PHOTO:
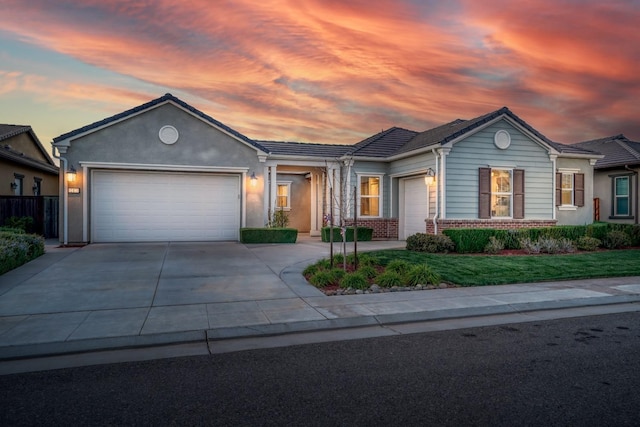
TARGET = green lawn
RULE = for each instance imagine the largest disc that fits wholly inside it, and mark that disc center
(479, 270)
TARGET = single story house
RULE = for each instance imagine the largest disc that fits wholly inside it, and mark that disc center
(167, 171)
(615, 181)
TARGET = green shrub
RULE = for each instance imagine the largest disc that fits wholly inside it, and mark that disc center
(469, 240)
(337, 274)
(12, 230)
(24, 223)
(323, 264)
(432, 243)
(310, 270)
(389, 279)
(355, 280)
(338, 259)
(321, 279)
(368, 271)
(18, 248)
(547, 245)
(616, 239)
(399, 266)
(586, 243)
(494, 246)
(364, 234)
(278, 219)
(363, 259)
(268, 235)
(422, 274)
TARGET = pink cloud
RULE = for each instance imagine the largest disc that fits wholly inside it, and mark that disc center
(329, 70)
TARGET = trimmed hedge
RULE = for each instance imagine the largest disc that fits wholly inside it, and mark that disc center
(18, 248)
(474, 240)
(268, 235)
(364, 234)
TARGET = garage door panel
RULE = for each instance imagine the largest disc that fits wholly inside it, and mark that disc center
(146, 206)
(416, 206)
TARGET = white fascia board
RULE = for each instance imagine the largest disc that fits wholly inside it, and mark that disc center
(294, 161)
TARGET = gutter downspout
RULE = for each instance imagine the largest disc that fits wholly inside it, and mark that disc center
(65, 196)
(435, 216)
(635, 172)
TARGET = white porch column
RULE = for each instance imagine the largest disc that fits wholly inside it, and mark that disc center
(443, 181)
(273, 177)
(316, 223)
(265, 194)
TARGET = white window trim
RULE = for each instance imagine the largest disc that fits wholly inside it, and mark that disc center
(288, 185)
(380, 195)
(616, 197)
(510, 170)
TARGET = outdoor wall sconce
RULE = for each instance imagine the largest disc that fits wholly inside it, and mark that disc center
(14, 185)
(71, 174)
(253, 179)
(430, 177)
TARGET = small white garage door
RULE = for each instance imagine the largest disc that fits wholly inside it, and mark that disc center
(149, 206)
(416, 206)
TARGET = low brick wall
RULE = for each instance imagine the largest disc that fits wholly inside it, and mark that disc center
(383, 228)
(499, 224)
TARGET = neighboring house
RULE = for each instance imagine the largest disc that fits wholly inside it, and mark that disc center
(28, 180)
(26, 169)
(167, 171)
(615, 183)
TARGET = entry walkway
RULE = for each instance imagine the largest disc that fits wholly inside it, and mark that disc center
(113, 296)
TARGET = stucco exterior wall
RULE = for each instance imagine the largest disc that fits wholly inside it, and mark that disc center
(603, 190)
(584, 214)
(136, 141)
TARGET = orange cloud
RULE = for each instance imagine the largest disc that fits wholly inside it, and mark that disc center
(337, 71)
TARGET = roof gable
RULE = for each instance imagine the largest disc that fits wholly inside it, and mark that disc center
(167, 98)
(12, 147)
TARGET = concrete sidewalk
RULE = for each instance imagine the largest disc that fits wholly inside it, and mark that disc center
(105, 297)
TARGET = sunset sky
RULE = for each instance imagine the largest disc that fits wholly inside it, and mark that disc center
(330, 71)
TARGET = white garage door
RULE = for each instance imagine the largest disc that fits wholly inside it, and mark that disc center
(416, 206)
(149, 206)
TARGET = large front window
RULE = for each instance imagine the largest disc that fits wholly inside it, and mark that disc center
(501, 193)
(370, 195)
(621, 196)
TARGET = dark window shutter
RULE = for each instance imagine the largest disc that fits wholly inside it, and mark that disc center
(558, 189)
(484, 196)
(518, 193)
(578, 188)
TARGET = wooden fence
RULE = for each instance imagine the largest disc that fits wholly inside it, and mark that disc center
(43, 210)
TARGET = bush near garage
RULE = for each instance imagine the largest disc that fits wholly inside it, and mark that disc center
(18, 248)
(268, 235)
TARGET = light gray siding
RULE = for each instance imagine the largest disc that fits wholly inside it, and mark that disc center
(478, 150)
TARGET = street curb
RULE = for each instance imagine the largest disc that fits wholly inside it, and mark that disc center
(279, 329)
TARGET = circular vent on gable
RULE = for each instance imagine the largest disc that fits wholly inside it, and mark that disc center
(502, 139)
(168, 134)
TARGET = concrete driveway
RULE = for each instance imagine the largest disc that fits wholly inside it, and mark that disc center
(135, 289)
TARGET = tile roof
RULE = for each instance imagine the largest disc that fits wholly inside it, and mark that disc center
(383, 144)
(7, 131)
(166, 98)
(618, 150)
(9, 153)
(303, 149)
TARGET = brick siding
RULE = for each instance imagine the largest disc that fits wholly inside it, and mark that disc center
(383, 228)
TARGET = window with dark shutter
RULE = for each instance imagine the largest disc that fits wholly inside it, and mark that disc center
(484, 193)
(518, 193)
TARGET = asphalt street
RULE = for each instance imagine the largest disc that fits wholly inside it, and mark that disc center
(579, 371)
